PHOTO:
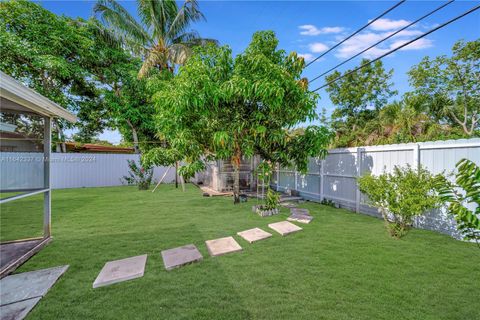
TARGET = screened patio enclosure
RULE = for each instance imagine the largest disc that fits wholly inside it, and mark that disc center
(25, 196)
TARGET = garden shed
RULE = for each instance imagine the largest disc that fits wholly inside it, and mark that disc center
(25, 200)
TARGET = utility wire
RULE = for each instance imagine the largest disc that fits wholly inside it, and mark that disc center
(382, 40)
(401, 46)
(356, 32)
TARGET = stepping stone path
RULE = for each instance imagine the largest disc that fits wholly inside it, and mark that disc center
(302, 218)
(222, 246)
(284, 227)
(300, 215)
(21, 292)
(255, 234)
(299, 211)
(288, 205)
(121, 270)
(177, 257)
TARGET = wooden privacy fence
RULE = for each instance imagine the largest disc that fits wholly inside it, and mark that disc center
(334, 178)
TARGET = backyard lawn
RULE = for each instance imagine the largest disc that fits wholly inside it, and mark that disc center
(341, 266)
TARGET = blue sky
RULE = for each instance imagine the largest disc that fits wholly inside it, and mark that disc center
(311, 27)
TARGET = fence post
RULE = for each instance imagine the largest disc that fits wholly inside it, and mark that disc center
(278, 176)
(359, 168)
(416, 156)
(296, 178)
(322, 165)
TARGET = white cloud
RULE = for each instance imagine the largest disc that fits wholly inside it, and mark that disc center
(307, 56)
(318, 47)
(388, 24)
(405, 33)
(364, 40)
(358, 43)
(311, 30)
(420, 44)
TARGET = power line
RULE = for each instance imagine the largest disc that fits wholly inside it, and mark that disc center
(400, 47)
(359, 30)
(382, 40)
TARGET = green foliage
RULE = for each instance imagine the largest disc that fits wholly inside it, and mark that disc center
(218, 107)
(328, 202)
(162, 37)
(69, 61)
(272, 200)
(139, 175)
(450, 86)
(443, 104)
(465, 191)
(358, 97)
(400, 196)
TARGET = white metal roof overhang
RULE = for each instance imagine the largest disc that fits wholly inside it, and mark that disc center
(16, 96)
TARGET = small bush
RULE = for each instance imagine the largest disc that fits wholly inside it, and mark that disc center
(400, 196)
(138, 175)
(328, 202)
(458, 195)
(272, 200)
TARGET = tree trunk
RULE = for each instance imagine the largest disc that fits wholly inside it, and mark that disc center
(134, 136)
(236, 176)
(236, 184)
(61, 137)
(176, 174)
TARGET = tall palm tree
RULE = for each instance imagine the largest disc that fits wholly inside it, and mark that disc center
(162, 37)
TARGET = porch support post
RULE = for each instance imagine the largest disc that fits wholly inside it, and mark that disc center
(47, 203)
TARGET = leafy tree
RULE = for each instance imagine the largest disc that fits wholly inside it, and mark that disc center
(465, 191)
(163, 36)
(400, 196)
(450, 86)
(221, 108)
(358, 97)
(68, 61)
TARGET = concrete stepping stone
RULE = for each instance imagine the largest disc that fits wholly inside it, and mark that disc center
(253, 235)
(18, 310)
(302, 218)
(27, 285)
(299, 211)
(177, 257)
(218, 247)
(19, 293)
(284, 227)
(288, 205)
(121, 270)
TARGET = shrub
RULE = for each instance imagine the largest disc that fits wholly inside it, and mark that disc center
(400, 196)
(138, 175)
(466, 190)
(272, 200)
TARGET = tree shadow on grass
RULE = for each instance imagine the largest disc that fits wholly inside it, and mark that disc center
(198, 291)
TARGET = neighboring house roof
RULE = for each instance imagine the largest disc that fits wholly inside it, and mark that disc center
(92, 148)
(17, 96)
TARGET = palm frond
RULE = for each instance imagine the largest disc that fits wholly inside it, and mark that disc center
(157, 15)
(201, 42)
(188, 13)
(108, 35)
(113, 15)
(178, 53)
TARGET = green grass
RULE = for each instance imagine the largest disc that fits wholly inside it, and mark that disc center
(341, 266)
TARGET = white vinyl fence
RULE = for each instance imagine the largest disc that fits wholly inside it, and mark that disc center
(334, 178)
(69, 170)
